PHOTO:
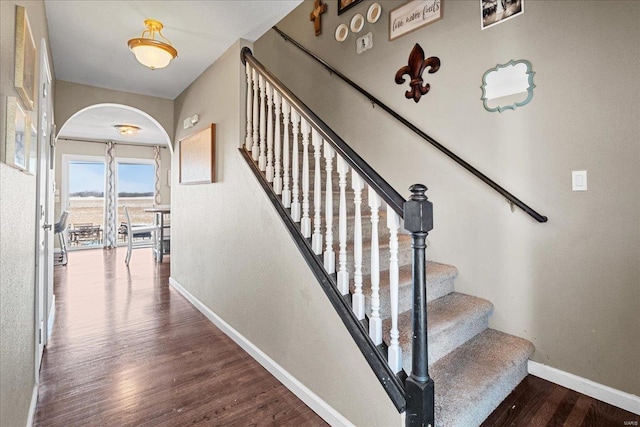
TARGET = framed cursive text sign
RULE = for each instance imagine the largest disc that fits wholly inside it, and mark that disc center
(413, 15)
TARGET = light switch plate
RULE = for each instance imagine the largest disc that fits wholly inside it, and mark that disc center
(364, 43)
(579, 180)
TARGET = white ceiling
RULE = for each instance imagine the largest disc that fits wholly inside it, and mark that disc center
(89, 44)
(97, 123)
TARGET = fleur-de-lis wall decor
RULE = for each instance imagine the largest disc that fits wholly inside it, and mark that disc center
(415, 68)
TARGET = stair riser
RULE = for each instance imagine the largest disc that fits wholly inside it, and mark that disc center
(383, 230)
(451, 321)
(443, 343)
(404, 257)
(335, 203)
(436, 288)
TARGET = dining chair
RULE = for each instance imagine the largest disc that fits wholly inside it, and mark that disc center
(58, 229)
(137, 231)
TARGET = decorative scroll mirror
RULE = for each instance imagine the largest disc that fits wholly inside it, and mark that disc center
(507, 86)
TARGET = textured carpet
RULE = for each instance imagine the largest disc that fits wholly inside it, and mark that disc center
(472, 380)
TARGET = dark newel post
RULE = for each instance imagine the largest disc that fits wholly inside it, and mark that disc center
(418, 219)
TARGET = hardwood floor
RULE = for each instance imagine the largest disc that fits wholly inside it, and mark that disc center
(536, 402)
(127, 350)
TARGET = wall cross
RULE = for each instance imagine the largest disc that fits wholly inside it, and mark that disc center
(318, 9)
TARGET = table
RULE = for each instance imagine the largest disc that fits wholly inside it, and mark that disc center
(159, 212)
(80, 234)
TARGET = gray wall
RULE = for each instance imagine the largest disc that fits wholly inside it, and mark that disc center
(571, 286)
(223, 240)
(17, 239)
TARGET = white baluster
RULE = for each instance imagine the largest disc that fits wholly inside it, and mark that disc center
(295, 173)
(269, 168)
(286, 192)
(249, 139)
(256, 117)
(305, 223)
(357, 184)
(316, 239)
(262, 158)
(343, 274)
(277, 179)
(329, 255)
(394, 350)
(375, 322)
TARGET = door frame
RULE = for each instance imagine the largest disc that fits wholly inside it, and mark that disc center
(126, 160)
(44, 210)
(64, 185)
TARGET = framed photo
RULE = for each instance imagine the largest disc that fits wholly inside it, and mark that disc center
(25, 60)
(412, 16)
(497, 11)
(16, 140)
(344, 5)
(32, 143)
(197, 157)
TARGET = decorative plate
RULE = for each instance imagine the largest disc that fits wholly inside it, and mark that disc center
(342, 32)
(374, 13)
(357, 22)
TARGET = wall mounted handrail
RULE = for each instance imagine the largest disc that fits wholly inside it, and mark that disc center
(382, 187)
(510, 197)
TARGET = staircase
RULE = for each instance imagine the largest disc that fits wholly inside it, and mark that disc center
(473, 367)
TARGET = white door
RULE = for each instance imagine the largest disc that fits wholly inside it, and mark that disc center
(44, 205)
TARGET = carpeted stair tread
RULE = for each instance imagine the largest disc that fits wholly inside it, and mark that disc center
(440, 279)
(472, 381)
(451, 321)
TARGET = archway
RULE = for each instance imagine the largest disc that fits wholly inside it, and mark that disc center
(114, 155)
(96, 122)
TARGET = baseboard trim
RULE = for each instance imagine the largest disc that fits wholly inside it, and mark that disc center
(32, 406)
(319, 406)
(52, 318)
(626, 401)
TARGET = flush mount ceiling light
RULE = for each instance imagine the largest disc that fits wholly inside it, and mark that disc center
(127, 130)
(150, 52)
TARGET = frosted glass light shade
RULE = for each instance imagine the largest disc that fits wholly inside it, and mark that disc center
(151, 53)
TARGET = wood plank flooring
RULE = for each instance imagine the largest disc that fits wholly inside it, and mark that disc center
(128, 350)
(539, 403)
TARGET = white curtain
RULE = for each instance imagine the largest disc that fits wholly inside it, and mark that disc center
(111, 229)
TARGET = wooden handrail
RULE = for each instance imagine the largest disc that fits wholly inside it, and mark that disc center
(510, 197)
(382, 187)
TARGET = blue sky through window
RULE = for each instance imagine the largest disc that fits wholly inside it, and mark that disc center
(86, 177)
(136, 178)
(132, 178)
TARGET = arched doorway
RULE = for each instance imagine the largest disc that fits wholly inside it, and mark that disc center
(99, 170)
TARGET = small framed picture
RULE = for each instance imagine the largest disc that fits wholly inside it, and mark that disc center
(344, 5)
(497, 11)
(197, 157)
(33, 148)
(16, 140)
(412, 16)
